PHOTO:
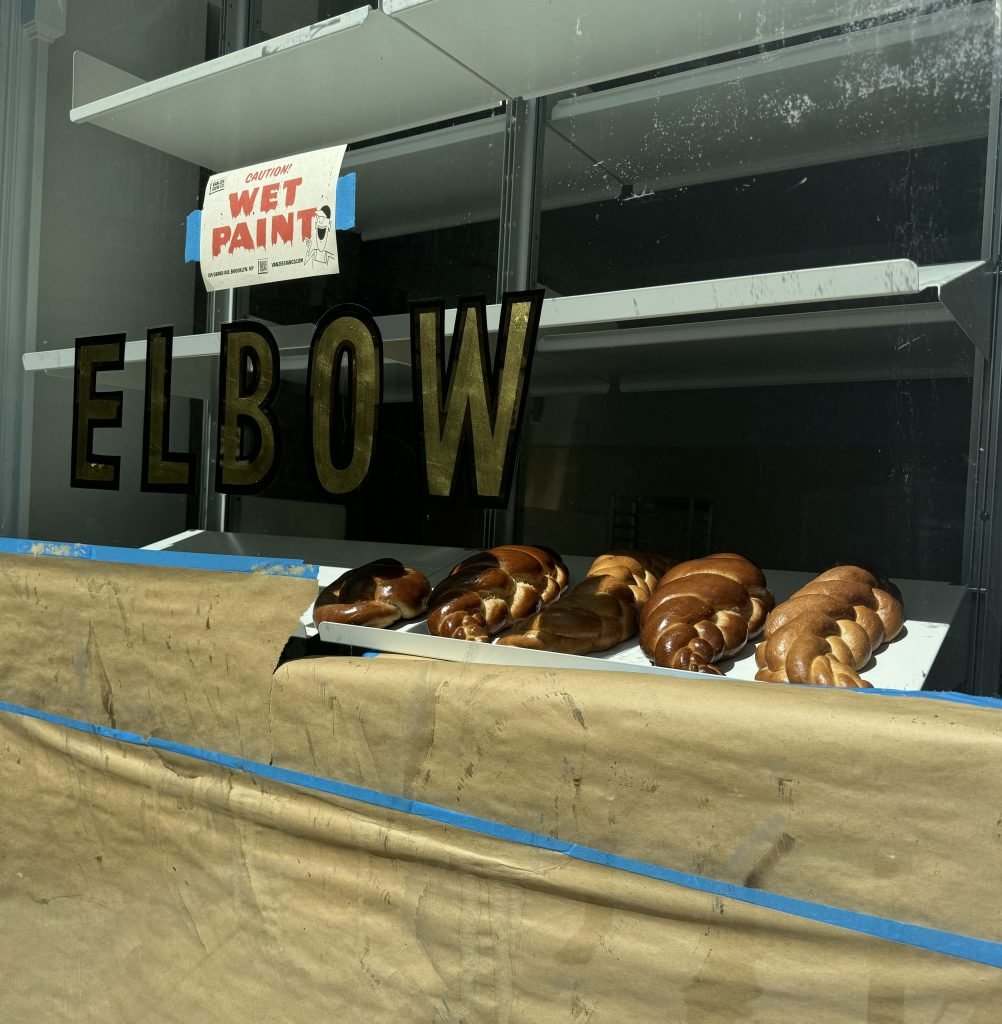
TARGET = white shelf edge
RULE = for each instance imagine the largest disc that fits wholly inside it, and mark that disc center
(219, 65)
(939, 274)
(882, 279)
(189, 346)
(841, 283)
(767, 325)
(169, 542)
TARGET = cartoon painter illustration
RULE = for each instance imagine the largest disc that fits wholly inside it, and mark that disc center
(322, 239)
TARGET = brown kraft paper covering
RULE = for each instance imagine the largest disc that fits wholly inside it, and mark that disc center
(140, 886)
(175, 652)
(853, 800)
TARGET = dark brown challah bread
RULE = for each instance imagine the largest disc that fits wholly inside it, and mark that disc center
(828, 629)
(704, 610)
(491, 589)
(599, 612)
(375, 594)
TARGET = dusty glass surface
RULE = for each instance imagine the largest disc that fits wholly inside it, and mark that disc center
(844, 147)
(799, 436)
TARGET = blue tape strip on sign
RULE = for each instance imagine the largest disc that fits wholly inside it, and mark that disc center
(344, 203)
(964, 947)
(192, 236)
(171, 559)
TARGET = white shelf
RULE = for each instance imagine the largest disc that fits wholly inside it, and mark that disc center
(373, 72)
(527, 48)
(796, 106)
(816, 285)
(343, 80)
(920, 341)
(586, 340)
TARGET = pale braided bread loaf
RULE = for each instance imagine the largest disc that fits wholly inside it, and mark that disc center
(375, 594)
(491, 589)
(703, 611)
(829, 629)
(599, 612)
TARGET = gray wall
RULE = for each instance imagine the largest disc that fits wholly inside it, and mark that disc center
(111, 260)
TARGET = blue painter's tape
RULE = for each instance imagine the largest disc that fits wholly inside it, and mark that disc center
(964, 947)
(950, 696)
(120, 735)
(344, 203)
(296, 567)
(172, 559)
(192, 236)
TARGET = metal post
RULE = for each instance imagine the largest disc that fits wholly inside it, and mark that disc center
(212, 507)
(235, 28)
(26, 32)
(985, 545)
(518, 247)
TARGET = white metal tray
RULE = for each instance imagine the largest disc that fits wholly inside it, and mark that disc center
(930, 607)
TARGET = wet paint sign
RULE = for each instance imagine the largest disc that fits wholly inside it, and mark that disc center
(272, 221)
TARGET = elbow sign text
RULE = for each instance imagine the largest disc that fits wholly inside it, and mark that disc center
(470, 403)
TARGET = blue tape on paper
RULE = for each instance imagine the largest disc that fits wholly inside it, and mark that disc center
(950, 696)
(964, 947)
(172, 559)
(344, 202)
(192, 236)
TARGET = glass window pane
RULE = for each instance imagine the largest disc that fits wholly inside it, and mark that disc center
(111, 260)
(849, 147)
(428, 212)
(798, 436)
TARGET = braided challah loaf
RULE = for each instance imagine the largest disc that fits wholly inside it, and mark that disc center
(703, 611)
(375, 594)
(491, 589)
(829, 629)
(599, 612)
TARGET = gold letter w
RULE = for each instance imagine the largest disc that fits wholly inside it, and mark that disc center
(486, 405)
